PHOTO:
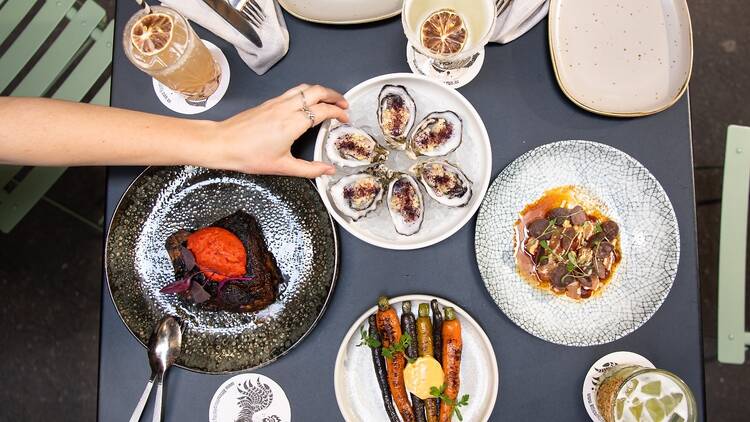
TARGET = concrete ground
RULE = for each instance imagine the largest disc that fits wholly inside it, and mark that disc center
(51, 262)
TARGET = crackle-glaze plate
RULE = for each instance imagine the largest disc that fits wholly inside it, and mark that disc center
(624, 190)
(298, 230)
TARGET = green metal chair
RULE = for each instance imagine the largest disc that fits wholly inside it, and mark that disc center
(733, 339)
(69, 68)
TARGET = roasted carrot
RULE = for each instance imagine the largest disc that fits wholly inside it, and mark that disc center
(452, 346)
(437, 333)
(378, 362)
(409, 326)
(424, 348)
(390, 333)
(437, 330)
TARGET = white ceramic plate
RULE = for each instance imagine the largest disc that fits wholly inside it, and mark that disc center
(342, 12)
(625, 191)
(357, 391)
(474, 157)
(621, 58)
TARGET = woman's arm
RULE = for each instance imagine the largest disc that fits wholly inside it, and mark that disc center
(45, 132)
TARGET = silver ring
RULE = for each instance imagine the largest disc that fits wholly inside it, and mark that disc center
(305, 108)
(311, 116)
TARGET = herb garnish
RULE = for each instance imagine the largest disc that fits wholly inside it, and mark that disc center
(398, 347)
(367, 340)
(440, 393)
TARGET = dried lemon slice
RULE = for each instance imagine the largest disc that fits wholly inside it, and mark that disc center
(152, 33)
(444, 33)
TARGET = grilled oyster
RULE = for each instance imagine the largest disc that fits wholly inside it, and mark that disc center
(358, 194)
(405, 204)
(438, 134)
(444, 182)
(349, 146)
(396, 114)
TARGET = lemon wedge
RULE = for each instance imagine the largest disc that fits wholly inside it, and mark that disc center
(421, 375)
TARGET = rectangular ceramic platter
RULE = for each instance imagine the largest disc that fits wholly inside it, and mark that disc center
(340, 12)
(621, 57)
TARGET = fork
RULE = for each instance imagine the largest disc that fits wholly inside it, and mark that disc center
(500, 6)
(252, 11)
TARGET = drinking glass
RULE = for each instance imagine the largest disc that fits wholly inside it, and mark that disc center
(163, 45)
(636, 393)
(461, 61)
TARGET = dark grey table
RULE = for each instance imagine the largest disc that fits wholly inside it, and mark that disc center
(522, 106)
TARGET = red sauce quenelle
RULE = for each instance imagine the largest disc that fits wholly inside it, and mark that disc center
(564, 248)
(218, 253)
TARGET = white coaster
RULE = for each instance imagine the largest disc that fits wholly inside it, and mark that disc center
(252, 398)
(422, 65)
(601, 366)
(178, 103)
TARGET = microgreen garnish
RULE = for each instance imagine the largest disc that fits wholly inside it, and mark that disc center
(597, 228)
(439, 392)
(398, 347)
(366, 340)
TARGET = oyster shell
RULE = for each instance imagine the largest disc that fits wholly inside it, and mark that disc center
(349, 146)
(405, 204)
(438, 134)
(358, 194)
(444, 182)
(396, 114)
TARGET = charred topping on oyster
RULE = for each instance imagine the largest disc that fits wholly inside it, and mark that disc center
(437, 134)
(361, 194)
(349, 146)
(434, 136)
(443, 182)
(405, 199)
(358, 194)
(396, 114)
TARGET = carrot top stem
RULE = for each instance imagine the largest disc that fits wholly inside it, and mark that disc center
(383, 303)
(406, 306)
(424, 310)
(450, 313)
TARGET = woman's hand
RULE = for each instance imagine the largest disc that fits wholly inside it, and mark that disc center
(259, 140)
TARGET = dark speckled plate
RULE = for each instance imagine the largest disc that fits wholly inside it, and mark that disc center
(299, 233)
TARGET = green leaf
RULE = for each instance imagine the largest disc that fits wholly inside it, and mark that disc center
(405, 340)
(545, 245)
(598, 228)
(458, 414)
(570, 267)
(464, 400)
(366, 340)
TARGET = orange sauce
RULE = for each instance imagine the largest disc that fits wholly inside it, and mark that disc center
(218, 253)
(562, 196)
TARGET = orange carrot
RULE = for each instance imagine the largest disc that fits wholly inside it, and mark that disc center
(452, 346)
(389, 327)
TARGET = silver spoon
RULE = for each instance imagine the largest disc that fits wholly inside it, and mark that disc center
(163, 349)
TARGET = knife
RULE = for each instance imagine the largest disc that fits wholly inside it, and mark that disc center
(235, 19)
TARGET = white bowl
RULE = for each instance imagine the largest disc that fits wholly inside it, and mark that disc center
(474, 157)
(357, 391)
